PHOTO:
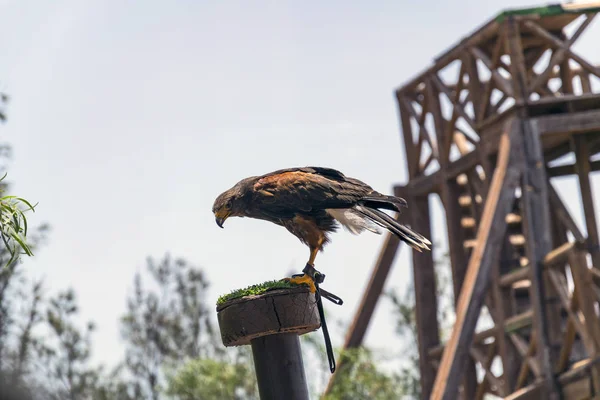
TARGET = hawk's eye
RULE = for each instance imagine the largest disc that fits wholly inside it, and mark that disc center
(228, 205)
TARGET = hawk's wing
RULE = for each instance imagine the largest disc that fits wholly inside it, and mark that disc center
(285, 192)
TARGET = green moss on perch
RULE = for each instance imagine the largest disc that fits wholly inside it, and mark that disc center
(268, 308)
(255, 290)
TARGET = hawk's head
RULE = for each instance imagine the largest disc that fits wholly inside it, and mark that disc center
(229, 203)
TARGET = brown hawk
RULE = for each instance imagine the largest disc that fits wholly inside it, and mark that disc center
(309, 202)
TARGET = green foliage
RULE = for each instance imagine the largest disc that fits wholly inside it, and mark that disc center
(166, 326)
(20, 300)
(66, 351)
(21, 314)
(404, 313)
(255, 290)
(360, 378)
(18, 340)
(210, 379)
(13, 225)
(112, 386)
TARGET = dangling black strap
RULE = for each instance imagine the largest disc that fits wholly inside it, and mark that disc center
(330, 355)
(331, 297)
(318, 278)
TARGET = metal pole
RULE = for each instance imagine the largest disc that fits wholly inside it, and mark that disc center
(279, 367)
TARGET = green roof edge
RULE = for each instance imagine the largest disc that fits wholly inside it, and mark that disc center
(544, 11)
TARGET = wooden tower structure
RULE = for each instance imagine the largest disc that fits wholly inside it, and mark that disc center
(487, 128)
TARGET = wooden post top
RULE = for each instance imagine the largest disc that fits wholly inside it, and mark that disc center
(292, 310)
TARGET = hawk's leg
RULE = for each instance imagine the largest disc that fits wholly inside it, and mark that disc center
(305, 278)
(313, 255)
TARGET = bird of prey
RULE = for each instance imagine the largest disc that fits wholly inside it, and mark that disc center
(310, 202)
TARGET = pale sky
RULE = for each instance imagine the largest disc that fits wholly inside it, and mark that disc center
(127, 119)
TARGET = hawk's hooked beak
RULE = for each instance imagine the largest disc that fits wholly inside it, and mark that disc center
(220, 218)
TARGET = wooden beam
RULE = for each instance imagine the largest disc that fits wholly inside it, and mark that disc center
(531, 59)
(486, 363)
(426, 184)
(552, 40)
(539, 243)
(420, 119)
(579, 371)
(438, 123)
(528, 364)
(503, 84)
(518, 68)
(563, 48)
(475, 85)
(456, 107)
(558, 255)
(458, 262)
(511, 325)
(536, 217)
(570, 169)
(560, 283)
(499, 202)
(409, 144)
(586, 84)
(504, 308)
(422, 185)
(565, 73)
(563, 214)
(587, 198)
(559, 238)
(569, 338)
(594, 142)
(582, 280)
(531, 392)
(458, 257)
(425, 293)
(517, 275)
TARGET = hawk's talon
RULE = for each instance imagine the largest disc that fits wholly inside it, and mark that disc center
(302, 279)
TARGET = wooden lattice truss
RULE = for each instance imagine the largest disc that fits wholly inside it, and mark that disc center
(485, 128)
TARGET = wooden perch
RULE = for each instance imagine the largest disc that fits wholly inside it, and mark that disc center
(277, 311)
(272, 323)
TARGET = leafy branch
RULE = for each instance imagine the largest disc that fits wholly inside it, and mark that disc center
(13, 225)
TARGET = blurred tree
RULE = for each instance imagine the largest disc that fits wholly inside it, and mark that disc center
(13, 222)
(215, 379)
(404, 311)
(65, 352)
(20, 300)
(113, 386)
(19, 310)
(360, 378)
(18, 339)
(3, 101)
(167, 325)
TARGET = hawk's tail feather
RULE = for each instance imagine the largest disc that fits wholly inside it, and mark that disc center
(391, 203)
(413, 239)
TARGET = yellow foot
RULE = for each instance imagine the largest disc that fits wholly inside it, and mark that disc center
(303, 279)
